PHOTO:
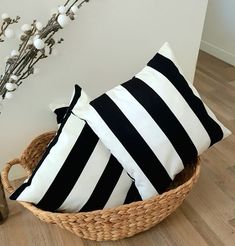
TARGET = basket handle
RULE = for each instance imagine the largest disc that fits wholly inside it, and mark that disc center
(5, 172)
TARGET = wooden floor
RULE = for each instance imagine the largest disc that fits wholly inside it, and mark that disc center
(207, 217)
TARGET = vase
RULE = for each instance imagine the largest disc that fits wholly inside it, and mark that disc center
(4, 211)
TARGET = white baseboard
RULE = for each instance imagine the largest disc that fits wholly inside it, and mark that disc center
(218, 52)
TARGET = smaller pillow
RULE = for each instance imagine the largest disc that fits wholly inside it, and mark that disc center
(60, 113)
(154, 124)
(60, 109)
(77, 173)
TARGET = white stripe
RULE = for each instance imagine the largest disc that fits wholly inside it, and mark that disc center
(166, 51)
(148, 129)
(88, 179)
(226, 132)
(83, 100)
(54, 161)
(94, 120)
(120, 191)
(177, 104)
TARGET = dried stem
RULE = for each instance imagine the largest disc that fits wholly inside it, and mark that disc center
(22, 65)
(6, 23)
(67, 3)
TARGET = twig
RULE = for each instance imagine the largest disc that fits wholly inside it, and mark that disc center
(22, 65)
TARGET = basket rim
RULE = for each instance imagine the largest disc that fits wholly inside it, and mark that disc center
(191, 181)
(30, 206)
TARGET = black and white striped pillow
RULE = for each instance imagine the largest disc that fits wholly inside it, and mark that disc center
(154, 124)
(60, 113)
(77, 172)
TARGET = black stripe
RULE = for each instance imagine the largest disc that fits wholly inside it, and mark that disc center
(60, 114)
(77, 95)
(166, 67)
(70, 171)
(133, 194)
(132, 142)
(105, 186)
(164, 117)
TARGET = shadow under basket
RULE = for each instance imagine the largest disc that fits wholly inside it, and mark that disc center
(108, 224)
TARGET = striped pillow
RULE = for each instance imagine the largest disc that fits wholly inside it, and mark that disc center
(60, 113)
(154, 124)
(77, 173)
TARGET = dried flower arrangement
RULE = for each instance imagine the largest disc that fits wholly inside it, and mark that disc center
(36, 43)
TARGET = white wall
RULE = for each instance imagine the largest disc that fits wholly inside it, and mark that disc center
(219, 32)
(110, 42)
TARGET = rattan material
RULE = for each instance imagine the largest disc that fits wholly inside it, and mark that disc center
(108, 224)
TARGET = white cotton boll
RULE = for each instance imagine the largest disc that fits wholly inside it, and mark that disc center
(63, 20)
(25, 27)
(39, 44)
(11, 86)
(62, 9)
(36, 37)
(5, 16)
(9, 95)
(9, 33)
(39, 26)
(14, 77)
(74, 9)
(15, 53)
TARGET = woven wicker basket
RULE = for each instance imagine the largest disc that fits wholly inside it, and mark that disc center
(108, 224)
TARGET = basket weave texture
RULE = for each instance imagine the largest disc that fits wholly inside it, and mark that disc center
(108, 224)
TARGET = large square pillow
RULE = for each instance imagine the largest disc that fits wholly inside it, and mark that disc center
(154, 124)
(77, 172)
